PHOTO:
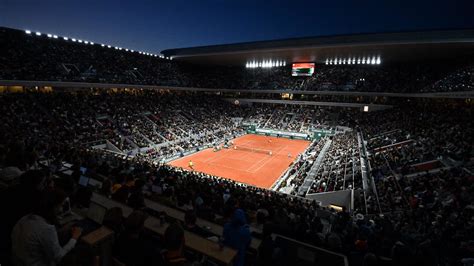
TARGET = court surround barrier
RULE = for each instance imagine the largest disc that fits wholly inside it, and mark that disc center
(277, 133)
(314, 134)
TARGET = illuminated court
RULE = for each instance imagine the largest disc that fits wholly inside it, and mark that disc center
(251, 163)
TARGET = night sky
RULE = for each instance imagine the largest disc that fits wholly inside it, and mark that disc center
(156, 25)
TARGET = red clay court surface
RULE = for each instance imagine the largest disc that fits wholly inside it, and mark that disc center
(254, 168)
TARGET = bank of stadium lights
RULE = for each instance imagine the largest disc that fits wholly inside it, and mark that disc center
(369, 60)
(49, 35)
(52, 36)
(265, 64)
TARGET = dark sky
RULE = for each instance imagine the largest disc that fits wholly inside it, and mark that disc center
(155, 25)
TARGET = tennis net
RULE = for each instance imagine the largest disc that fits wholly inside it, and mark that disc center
(251, 149)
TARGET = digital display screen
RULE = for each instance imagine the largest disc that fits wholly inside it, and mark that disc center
(302, 69)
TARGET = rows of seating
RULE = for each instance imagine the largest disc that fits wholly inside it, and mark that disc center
(60, 126)
(31, 57)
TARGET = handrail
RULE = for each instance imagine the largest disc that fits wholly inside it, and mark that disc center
(344, 257)
(70, 84)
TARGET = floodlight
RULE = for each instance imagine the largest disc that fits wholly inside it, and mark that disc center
(74, 40)
(55, 36)
(49, 35)
(38, 33)
(79, 41)
(28, 31)
(65, 38)
(378, 61)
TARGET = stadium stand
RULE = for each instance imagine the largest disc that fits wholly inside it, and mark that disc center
(51, 59)
(407, 168)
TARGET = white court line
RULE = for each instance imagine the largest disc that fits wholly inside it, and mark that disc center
(256, 163)
(233, 168)
(271, 158)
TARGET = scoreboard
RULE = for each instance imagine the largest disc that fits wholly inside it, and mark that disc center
(302, 69)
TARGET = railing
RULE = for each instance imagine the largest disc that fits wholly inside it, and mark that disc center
(308, 181)
(298, 253)
(366, 170)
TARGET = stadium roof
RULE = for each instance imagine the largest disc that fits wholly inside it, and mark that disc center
(391, 47)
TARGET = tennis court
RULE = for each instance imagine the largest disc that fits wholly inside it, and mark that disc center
(251, 162)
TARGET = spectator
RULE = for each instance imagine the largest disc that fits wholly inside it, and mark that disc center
(113, 219)
(24, 196)
(34, 237)
(137, 199)
(174, 244)
(236, 235)
(133, 247)
(124, 191)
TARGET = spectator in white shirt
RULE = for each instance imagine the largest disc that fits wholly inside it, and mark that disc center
(34, 237)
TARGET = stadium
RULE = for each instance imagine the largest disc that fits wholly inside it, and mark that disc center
(331, 150)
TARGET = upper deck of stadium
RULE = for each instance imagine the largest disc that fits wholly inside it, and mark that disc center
(399, 47)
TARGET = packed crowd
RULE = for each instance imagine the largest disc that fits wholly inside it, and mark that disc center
(31, 57)
(102, 118)
(340, 168)
(416, 208)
